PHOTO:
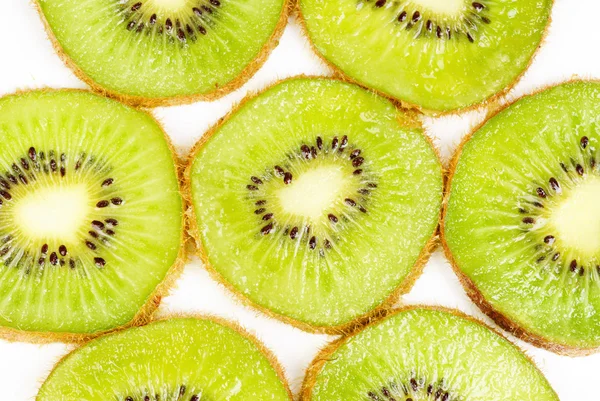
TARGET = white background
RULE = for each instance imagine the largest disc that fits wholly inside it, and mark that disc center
(28, 61)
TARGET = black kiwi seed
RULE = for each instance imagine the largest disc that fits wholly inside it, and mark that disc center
(108, 182)
(102, 204)
(579, 169)
(252, 187)
(91, 245)
(294, 233)
(554, 184)
(99, 262)
(266, 230)
(97, 224)
(416, 17)
(584, 142)
(116, 201)
(62, 250)
(287, 178)
(549, 239)
(380, 3)
(312, 243)
(358, 161)
(541, 192)
(573, 265)
(319, 143)
(402, 16)
(528, 220)
(112, 222)
(333, 218)
(478, 6)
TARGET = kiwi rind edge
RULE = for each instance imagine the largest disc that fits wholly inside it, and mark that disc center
(411, 121)
(469, 286)
(140, 101)
(266, 352)
(146, 312)
(326, 353)
(493, 102)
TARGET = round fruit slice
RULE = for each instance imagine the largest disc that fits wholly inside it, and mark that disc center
(158, 52)
(90, 214)
(317, 201)
(184, 359)
(425, 354)
(438, 55)
(522, 221)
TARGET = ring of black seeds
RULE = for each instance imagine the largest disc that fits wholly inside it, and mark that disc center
(24, 173)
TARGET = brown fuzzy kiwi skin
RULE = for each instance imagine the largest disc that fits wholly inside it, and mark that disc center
(140, 101)
(326, 353)
(144, 315)
(411, 121)
(469, 286)
(266, 352)
(491, 103)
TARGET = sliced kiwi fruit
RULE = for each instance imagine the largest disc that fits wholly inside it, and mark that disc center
(182, 359)
(90, 215)
(424, 354)
(317, 201)
(162, 52)
(437, 55)
(522, 220)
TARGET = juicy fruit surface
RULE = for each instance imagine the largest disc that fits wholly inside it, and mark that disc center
(157, 48)
(90, 211)
(427, 355)
(439, 55)
(175, 360)
(314, 201)
(523, 216)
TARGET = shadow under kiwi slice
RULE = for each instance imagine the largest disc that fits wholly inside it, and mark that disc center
(90, 215)
(522, 221)
(317, 201)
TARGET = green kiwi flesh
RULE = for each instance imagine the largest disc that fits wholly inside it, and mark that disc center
(523, 217)
(184, 359)
(439, 55)
(425, 355)
(157, 49)
(90, 212)
(315, 200)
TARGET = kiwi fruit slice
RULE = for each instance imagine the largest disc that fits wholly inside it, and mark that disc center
(90, 215)
(182, 359)
(436, 55)
(317, 201)
(424, 354)
(163, 52)
(522, 221)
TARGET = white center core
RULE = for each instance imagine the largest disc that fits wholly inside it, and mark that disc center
(446, 7)
(168, 5)
(53, 212)
(577, 219)
(313, 192)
